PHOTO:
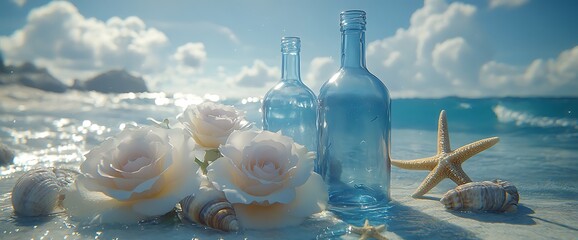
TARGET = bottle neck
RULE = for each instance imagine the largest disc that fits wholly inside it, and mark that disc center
(290, 66)
(353, 48)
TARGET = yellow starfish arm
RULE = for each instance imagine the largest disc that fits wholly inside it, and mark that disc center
(368, 231)
(379, 237)
(428, 163)
(432, 179)
(372, 236)
(457, 174)
(443, 143)
(357, 230)
(380, 228)
(446, 163)
(366, 223)
(462, 154)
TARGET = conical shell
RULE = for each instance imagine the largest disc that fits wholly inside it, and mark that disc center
(209, 207)
(496, 196)
(39, 191)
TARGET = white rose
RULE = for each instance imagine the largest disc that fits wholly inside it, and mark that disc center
(269, 179)
(141, 173)
(210, 124)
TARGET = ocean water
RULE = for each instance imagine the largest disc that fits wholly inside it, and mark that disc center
(537, 152)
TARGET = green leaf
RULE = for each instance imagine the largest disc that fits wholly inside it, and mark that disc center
(212, 155)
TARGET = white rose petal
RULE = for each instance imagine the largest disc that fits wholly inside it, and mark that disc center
(269, 179)
(311, 199)
(141, 173)
(210, 124)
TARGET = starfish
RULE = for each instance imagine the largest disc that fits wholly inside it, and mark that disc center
(446, 163)
(369, 232)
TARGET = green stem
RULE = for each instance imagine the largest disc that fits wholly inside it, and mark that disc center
(210, 156)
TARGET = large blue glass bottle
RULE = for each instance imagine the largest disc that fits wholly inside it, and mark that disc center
(290, 106)
(354, 127)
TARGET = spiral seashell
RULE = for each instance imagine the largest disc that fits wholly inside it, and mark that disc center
(210, 208)
(39, 191)
(497, 195)
(6, 155)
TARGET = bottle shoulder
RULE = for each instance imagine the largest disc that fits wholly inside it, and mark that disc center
(354, 81)
(290, 89)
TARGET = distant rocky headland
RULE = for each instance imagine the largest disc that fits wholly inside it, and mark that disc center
(113, 81)
(29, 75)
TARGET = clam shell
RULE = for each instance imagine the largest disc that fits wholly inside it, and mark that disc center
(209, 207)
(496, 196)
(39, 191)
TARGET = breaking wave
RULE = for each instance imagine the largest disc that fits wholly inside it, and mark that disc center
(522, 119)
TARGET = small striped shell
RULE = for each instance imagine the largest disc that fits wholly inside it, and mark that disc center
(39, 192)
(210, 208)
(497, 195)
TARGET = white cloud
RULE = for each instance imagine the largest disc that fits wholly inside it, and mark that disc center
(72, 46)
(20, 3)
(204, 29)
(320, 70)
(256, 76)
(182, 70)
(227, 32)
(443, 53)
(439, 54)
(507, 3)
(58, 37)
(250, 81)
(557, 76)
(457, 61)
(191, 55)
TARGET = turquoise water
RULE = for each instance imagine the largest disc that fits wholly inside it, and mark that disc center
(537, 152)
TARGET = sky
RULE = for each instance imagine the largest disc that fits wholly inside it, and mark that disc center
(419, 49)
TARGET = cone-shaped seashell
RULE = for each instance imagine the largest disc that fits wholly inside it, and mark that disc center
(496, 196)
(40, 191)
(209, 207)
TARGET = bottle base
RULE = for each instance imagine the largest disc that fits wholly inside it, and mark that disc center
(355, 205)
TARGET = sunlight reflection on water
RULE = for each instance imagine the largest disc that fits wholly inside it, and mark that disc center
(47, 129)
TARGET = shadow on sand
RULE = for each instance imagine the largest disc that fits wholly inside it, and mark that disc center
(523, 216)
(409, 223)
(36, 220)
(401, 220)
(520, 217)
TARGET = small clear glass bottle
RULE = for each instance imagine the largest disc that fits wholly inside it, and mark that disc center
(354, 128)
(290, 106)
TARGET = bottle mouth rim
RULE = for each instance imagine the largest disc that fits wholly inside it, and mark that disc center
(290, 38)
(353, 11)
(290, 44)
(352, 20)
